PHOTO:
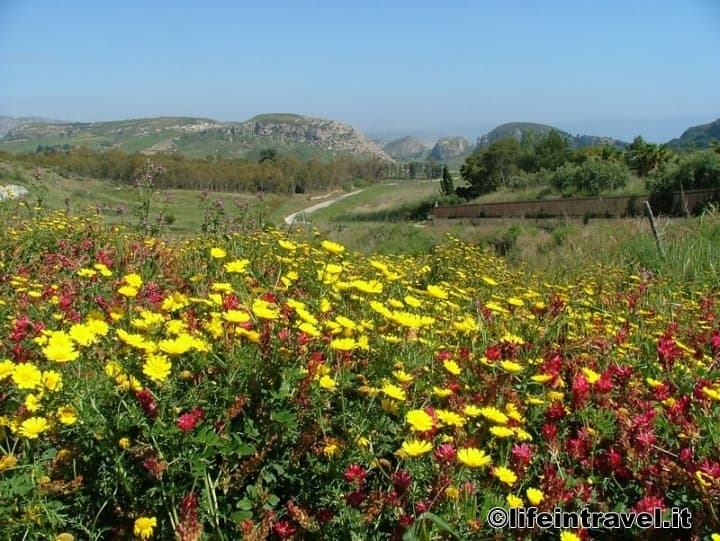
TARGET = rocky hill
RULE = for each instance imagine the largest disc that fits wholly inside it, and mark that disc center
(522, 130)
(698, 136)
(288, 134)
(448, 148)
(406, 149)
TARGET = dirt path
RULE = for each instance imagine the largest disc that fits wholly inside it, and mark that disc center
(290, 218)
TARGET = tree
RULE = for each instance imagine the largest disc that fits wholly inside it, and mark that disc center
(447, 186)
(552, 151)
(644, 158)
(268, 154)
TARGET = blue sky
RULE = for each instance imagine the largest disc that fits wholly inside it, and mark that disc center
(605, 67)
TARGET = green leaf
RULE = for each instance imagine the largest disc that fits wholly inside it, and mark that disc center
(284, 417)
(244, 504)
(440, 523)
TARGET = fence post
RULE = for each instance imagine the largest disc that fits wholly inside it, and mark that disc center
(653, 226)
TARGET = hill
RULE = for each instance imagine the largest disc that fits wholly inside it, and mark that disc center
(698, 136)
(406, 149)
(523, 130)
(289, 134)
(448, 148)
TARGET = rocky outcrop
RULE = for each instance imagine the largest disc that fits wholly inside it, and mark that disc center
(520, 131)
(450, 147)
(406, 149)
(286, 132)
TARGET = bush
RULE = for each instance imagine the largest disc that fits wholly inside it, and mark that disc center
(693, 171)
(591, 177)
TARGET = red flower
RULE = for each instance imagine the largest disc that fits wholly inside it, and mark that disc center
(581, 390)
(401, 481)
(445, 453)
(355, 473)
(648, 503)
(187, 421)
(355, 499)
(284, 529)
(522, 454)
(147, 403)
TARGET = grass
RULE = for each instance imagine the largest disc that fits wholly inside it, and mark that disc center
(636, 186)
(553, 247)
(385, 196)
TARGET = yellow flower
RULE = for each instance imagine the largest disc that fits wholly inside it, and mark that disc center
(157, 367)
(217, 253)
(415, 448)
(6, 369)
(510, 366)
(489, 281)
(265, 310)
(494, 415)
(26, 376)
(591, 375)
(542, 378)
(450, 418)
(34, 426)
(452, 493)
(333, 247)
(402, 376)
(513, 501)
(419, 420)
(127, 291)
(471, 410)
(236, 316)
(501, 431)
(505, 475)
(437, 292)
(86, 273)
(309, 329)
(82, 334)
(7, 462)
(236, 266)
(452, 367)
(32, 403)
(330, 450)
(393, 391)
(534, 495)
(326, 382)
(178, 346)
(287, 245)
(64, 537)
(343, 344)
(144, 527)
(442, 392)
(60, 348)
(133, 280)
(124, 442)
(66, 415)
(569, 536)
(473, 457)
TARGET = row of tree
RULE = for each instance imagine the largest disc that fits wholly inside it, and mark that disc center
(548, 160)
(272, 173)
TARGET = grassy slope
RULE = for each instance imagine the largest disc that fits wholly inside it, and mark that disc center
(553, 247)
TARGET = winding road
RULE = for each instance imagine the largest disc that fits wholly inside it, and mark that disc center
(290, 218)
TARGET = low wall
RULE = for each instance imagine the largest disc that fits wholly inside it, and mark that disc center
(601, 207)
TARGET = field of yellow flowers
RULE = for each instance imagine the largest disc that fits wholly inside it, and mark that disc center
(268, 386)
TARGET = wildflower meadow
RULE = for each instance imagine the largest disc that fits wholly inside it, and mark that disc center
(274, 385)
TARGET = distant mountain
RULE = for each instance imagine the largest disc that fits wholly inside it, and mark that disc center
(289, 134)
(448, 148)
(7, 123)
(406, 149)
(698, 136)
(522, 130)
